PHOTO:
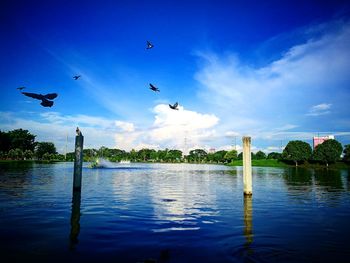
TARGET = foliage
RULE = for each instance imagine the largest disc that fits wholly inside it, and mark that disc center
(18, 138)
(197, 155)
(231, 155)
(15, 154)
(274, 155)
(297, 151)
(328, 151)
(28, 154)
(260, 155)
(240, 156)
(346, 153)
(44, 147)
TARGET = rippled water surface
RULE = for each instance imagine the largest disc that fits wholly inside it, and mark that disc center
(173, 213)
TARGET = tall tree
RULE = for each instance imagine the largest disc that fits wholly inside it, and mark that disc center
(347, 153)
(197, 155)
(5, 141)
(260, 155)
(44, 147)
(22, 139)
(297, 151)
(231, 155)
(274, 155)
(328, 151)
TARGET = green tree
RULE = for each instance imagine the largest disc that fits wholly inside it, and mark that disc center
(173, 156)
(44, 147)
(219, 156)
(197, 155)
(231, 155)
(274, 155)
(133, 155)
(22, 139)
(346, 153)
(240, 156)
(12, 154)
(5, 142)
(297, 151)
(28, 154)
(328, 151)
(260, 155)
(46, 156)
(162, 155)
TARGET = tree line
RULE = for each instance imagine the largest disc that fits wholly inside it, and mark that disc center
(151, 155)
(20, 144)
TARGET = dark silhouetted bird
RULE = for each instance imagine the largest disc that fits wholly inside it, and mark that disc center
(175, 106)
(76, 77)
(45, 99)
(154, 88)
(20, 88)
(149, 45)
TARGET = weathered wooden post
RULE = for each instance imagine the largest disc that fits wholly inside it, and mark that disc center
(78, 160)
(247, 167)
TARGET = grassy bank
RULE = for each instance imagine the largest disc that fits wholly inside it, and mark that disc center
(262, 163)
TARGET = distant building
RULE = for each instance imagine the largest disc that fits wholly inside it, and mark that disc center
(212, 150)
(320, 139)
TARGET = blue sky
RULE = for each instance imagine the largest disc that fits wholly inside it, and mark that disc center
(274, 70)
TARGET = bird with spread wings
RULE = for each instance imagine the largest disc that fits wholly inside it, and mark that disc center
(46, 100)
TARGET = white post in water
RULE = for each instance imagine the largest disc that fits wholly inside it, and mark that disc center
(247, 167)
(78, 161)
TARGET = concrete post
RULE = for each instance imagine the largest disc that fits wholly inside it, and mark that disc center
(78, 161)
(247, 167)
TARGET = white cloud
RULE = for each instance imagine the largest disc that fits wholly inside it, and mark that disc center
(253, 100)
(170, 129)
(181, 129)
(320, 109)
(125, 126)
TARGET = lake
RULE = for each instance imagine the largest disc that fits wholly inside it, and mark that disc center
(173, 213)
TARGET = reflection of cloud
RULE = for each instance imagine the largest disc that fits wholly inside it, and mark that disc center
(177, 200)
(320, 109)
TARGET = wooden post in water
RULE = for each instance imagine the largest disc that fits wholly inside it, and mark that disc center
(247, 167)
(78, 160)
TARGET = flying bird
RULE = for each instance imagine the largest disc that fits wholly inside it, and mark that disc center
(45, 99)
(175, 106)
(20, 88)
(154, 88)
(149, 45)
(76, 77)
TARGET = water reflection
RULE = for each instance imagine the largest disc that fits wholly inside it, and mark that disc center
(75, 220)
(248, 224)
(322, 185)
